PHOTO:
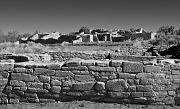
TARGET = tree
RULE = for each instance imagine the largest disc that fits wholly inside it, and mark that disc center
(177, 32)
(85, 29)
(166, 30)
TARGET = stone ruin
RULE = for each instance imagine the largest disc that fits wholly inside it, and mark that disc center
(100, 77)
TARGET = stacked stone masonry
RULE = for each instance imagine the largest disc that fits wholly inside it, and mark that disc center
(114, 81)
(96, 55)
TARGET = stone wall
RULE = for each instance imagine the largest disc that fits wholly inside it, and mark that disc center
(115, 81)
(97, 55)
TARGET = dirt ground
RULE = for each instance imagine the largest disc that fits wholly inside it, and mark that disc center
(83, 105)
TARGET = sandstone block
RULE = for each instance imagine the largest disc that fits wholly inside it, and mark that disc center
(126, 76)
(175, 72)
(73, 63)
(46, 86)
(116, 63)
(132, 82)
(102, 69)
(119, 94)
(119, 69)
(61, 73)
(144, 88)
(83, 86)
(80, 68)
(55, 89)
(146, 81)
(102, 63)
(56, 83)
(13, 101)
(137, 94)
(44, 79)
(152, 69)
(35, 85)
(17, 83)
(23, 70)
(43, 71)
(3, 83)
(99, 86)
(23, 77)
(150, 94)
(30, 95)
(75, 93)
(117, 85)
(132, 89)
(6, 67)
(144, 75)
(175, 67)
(42, 100)
(88, 62)
(132, 67)
(55, 66)
(84, 78)
(4, 74)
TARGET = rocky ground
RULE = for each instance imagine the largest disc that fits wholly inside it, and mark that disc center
(84, 105)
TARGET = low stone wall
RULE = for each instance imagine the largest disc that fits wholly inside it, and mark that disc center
(97, 55)
(115, 81)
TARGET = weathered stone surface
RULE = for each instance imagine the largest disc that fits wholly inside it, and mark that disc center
(42, 100)
(146, 81)
(23, 70)
(61, 73)
(55, 66)
(55, 89)
(99, 86)
(23, 77)
(43, 71)
(175, 72)
(132, 82)
(132, 67)
(46, 86)
(117, 85)
(101, 78)
(88, 62)
(35, 85)
(119, 94)
(83, 86)
(73, 63)
(3, 82)
(150, 94)
(84, 78)
(116, 63)
(4, 74)
(136, 94)
(44, 79)
(13, 101)
(102, 69)
(144, 88)
(152, 69)
(102, 63)
(75, 93)
(126, 76)
(144, 75)
(132, 88)
(175, 67)
(119, 69)
(81, 68)
(17, 83)
(6, 66)
(56, 83)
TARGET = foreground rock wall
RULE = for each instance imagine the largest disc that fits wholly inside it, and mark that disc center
(97, 55)
(114, 81)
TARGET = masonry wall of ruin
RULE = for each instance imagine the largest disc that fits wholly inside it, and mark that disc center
(115, 81)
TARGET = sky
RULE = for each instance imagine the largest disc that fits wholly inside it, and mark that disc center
(67, 16)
